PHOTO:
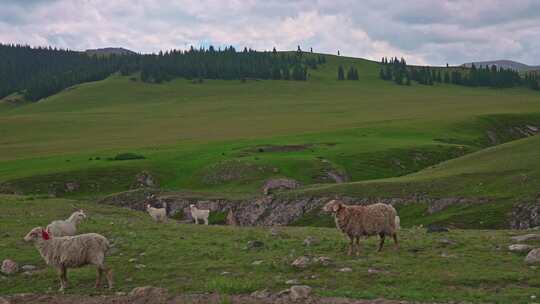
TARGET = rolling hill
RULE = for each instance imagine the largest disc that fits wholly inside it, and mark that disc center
(506, 64)
(226, 137)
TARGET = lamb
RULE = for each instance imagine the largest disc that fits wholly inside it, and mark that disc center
(158, 214)
(66, 227)
(197, 214)
(360, 221)
(72, 252)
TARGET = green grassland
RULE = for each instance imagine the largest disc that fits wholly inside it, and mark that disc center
(187, 131)
(191, 259)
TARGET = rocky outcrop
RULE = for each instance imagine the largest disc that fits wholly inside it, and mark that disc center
(145, 179)
(279, 184)
(525, 215)
(261, 211)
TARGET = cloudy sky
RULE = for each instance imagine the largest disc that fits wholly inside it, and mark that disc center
(423, 31)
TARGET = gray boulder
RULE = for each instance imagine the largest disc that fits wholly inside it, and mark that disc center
(9, 266)
(279, 184)
(533, 257)
(299, 292)
(520, 248)
(526, 237)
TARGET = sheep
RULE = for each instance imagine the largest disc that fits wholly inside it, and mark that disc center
(158, 214)
(66, 227)
(360, 221)
(72, 252)
(197, 214)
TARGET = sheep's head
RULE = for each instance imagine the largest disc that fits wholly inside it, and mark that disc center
(192, 206)
(37, 233)
(78, 216)
(332, 206)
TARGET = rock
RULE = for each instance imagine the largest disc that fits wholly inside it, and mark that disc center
(298, 292)
(446, 255)
(3, 301)
(520, 248)
(29, 268)
(129, 280)
(225, 273)
(159, 294)
(261, 294)
(292, 282)
(133, 260)
(9, 266)
(447, 242)
(274, 231)
(311, 241)
(526, 237)
(345, 269)
(376, 271)
(322, 260)
(301, 262)
(533, 257)
(525, 215)
(120, 293)
(140, 266)
(434, 228)
(231, 219)
(71, 186)
(255, 244)
(258, 262)
(279, 184)
(144, 180)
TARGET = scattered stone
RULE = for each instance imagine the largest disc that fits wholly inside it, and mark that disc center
(258, 262)
(142, 254)
(301, 262)
(274, 231)
(447, 242)
(255, 244)
(526, 237)
(323, 260)
(446, 255)
(120, 293)
(72, 186)
(143, 180)
(225, 273)
(292, 282)
(435, 229)
(133, 260)
(129, 279)
(9, 266)
(311, 241)
(521, 248)
(3, 301)
(261, 294)
(299, 292)
(151, 292)
(140, 266)
(345, 269)
(29, 268)
(533, 257)
(377, 271)
(314, 276)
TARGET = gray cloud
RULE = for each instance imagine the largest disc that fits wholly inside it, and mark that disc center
(423, 31)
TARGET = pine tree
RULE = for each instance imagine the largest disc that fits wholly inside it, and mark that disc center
(341, 73)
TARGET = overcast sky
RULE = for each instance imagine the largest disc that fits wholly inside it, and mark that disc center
(423, 31)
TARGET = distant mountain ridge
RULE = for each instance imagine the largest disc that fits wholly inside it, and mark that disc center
(110, 51)
(506, 64)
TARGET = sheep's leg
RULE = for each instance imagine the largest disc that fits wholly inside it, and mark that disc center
(109, 274)
(351, 245)
(382, 242)
(206, 221)
(357, 246)
(98, 277)
(394, 236)
(196, 220)
(63, 278)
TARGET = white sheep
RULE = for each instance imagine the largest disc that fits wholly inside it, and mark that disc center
(158, 214)
(197, 214)
(66, 227)
(364, 221)
(72, 252)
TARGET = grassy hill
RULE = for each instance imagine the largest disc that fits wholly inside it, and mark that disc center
(227, 137)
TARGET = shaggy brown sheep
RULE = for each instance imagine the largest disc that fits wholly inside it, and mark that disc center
(359, 221)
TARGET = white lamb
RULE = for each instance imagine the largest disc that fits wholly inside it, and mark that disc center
(197, 214)
(66, 227)
(158, 214)
(72, 252)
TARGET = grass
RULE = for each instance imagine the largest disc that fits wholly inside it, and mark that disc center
(192, 258)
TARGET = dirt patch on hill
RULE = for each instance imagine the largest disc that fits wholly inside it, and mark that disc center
(182, 299)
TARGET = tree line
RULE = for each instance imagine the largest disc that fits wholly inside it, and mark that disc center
(352, 73)
(43, 71)
(397, 70)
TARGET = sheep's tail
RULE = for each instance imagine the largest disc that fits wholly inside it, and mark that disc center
(397, 222)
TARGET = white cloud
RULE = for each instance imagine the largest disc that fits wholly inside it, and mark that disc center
(423, 31)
